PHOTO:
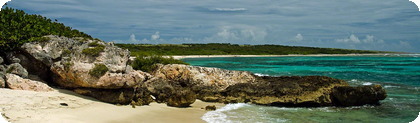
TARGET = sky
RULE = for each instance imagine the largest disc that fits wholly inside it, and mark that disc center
(386, 25)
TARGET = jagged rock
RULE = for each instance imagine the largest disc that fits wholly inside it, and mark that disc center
(71, 62)
(17, 69)
(137, 96)
(15, 82)
(285, 91)
(190, 76)
(361, 95)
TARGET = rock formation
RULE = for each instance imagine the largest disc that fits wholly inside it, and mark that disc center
(278, 91)
(102, 71)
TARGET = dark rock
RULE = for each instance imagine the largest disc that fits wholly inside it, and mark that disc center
(136, 96)
(11, 58)
(64, 104)
(171, 92)
(181, 97)
(210, 108)
(356, 96)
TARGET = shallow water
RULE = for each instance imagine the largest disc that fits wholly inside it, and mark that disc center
(398, 74)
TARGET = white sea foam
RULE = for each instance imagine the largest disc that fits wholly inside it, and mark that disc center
(367, 83)
(390, 86)
(219, 116)
(260, 74)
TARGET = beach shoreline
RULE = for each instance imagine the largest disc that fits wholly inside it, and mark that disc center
(21, 106)
(290, 55)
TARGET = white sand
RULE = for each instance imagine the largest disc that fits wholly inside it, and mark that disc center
(213, 56)
(28, 106)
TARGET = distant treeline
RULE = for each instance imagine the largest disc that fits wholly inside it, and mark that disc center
(18, 27)
(231, 49)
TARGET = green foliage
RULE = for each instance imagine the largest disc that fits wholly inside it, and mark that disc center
(17, 28)
(94, 49)
(148, 63)
(99, 70)
(231, 49)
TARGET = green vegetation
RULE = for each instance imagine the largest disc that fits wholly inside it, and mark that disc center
(148, 63)
(94, 49)
(99, 70)
(231, 49)
(17, 28)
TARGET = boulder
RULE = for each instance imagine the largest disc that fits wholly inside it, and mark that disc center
(1, 60)
(171, 92)
(17, 69)
(16, 82)
(360, 95)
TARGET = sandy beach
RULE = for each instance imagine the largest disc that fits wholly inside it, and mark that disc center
(29, 106)
(214, 56)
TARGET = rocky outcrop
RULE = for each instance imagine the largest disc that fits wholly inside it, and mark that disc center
(218, 85)
(101, 70)
(92, 67)
(355, 96)
(15, 82)
(72, 62)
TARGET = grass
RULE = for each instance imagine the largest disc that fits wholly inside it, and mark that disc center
(94, 49)
(99, 70)
(148, 63)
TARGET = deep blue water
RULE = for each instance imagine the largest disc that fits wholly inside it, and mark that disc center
(399, 74)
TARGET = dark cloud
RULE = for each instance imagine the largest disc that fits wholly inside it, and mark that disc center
(321, 23)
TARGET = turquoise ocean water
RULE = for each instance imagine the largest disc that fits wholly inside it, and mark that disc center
(398, 74)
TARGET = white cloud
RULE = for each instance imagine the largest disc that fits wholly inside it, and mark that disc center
(372, 39)
(352, 39)
(238, 34)
(155, 36)
(299, 37)
(132, 38)
(2, 2)
(417, 2)
(228, 9)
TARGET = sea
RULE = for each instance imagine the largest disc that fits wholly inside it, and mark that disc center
(399, 74)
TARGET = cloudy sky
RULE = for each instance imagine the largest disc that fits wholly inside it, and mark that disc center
(389, 25)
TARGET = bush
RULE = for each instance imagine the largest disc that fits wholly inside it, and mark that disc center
(94, 49)
(99, 70)
(148, 63)
(18, 27)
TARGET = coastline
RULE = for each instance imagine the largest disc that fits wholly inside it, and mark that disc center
(29, 106)
(290, 55)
